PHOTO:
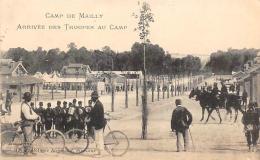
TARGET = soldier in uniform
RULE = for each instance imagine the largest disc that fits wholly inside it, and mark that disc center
(224, 94)
(34, 125)
(81, 113)
(58, 117)
(74, 102)
(244, 98)
(48, 117)
(251, 126)
(32, 106)
(65, 111)
(40, 111)
(70, 116)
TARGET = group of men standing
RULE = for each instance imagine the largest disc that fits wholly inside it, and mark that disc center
(63, 118)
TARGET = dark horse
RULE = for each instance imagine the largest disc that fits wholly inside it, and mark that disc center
(230, 101)
(207, 102)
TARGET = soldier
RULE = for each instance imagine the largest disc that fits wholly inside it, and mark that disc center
(244, 98)
(70, 116)
(40, 111)
(215, 90)
(251, 126)
(223, 94)
(48, 117)
(223, 90)
(81, 115)
(74, 102)
(232, 88)
(65, 111)
(34, 125)
(58, 117)
(32, 106)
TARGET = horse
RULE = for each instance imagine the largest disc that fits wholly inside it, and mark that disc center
(202, 100)
(234, 101)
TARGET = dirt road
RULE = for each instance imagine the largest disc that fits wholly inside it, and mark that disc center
(210, 141)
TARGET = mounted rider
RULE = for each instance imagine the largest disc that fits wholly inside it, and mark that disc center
(223, 94)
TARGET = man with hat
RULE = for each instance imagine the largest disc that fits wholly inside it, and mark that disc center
(97, 121)
(28, 117)
(81, 113)
(40, 111)
(65, 111)
(251, 126)
(180, 122)
(58, 117)
(48, 116)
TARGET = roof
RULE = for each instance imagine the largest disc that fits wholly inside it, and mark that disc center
(16, 80)
(75, 69)
(247, 74)
(8, 66)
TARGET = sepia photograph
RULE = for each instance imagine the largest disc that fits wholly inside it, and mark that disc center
(130, 80)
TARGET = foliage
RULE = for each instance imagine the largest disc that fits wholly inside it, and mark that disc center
(157, 61)
(225, 62)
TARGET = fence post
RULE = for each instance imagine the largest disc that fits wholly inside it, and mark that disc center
(137, 88)
(126, 94)
(76, 90)
(113, 95)
(175, 85)
(38, 92)
(168, 91)
(52, 97)
(65, 90)
(158, 92)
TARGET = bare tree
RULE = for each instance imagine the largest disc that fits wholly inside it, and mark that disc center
(145, 17)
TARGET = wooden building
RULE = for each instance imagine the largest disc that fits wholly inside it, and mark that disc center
(14, 77)
(250, 79)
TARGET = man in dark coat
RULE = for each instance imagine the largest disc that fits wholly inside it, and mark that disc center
(40, 126)
(65, 111)
(251, 125)
(98, 121)
(48, 115)
(244, 97)
(58, 117)
(180, 122)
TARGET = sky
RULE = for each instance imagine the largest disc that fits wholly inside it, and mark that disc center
(197, 27)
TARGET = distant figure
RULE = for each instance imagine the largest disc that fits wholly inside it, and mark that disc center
(251, 126)
(244, 98)
(8, 101)
(180, 122)
(232, 88)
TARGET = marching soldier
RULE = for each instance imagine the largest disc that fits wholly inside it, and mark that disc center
(48, 117)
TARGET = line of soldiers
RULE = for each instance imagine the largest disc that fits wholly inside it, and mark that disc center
(63, 118)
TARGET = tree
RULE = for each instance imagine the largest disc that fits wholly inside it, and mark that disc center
(145, 17)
